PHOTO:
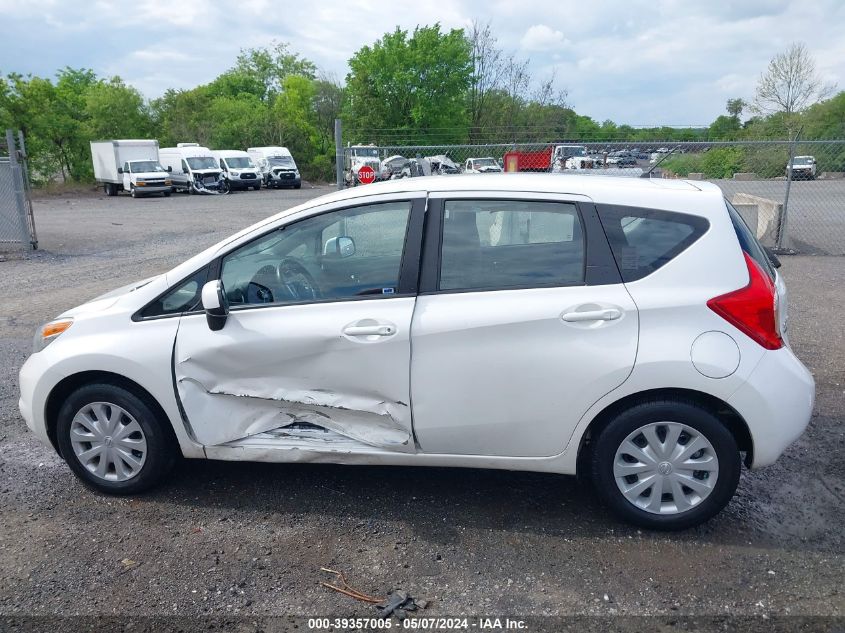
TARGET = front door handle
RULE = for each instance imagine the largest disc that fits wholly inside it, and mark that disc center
(608, 314)
(369, 330)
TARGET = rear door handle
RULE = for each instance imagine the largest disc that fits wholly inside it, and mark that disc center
(369, 330)
(608, 314)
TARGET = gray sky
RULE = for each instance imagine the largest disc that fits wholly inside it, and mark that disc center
(640, 62)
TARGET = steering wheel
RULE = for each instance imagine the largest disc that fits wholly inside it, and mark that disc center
(295, 279)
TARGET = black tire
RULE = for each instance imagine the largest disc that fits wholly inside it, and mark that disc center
(603, 452)
(132, 191)
(298, 186)
(167, 194)
(161, 445)
(257, 187)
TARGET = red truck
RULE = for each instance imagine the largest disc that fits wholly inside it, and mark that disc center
(551, 158)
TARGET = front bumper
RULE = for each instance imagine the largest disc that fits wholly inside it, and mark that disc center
(139, 188)
(776, 403)
(283, 180)
(243, 183)
(36, 379)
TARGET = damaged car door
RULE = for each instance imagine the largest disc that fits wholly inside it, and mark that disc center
(316, 339)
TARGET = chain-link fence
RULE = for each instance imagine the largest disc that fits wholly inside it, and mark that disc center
(801, 209)
(17, 223)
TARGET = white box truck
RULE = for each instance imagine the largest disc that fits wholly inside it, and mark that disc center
(193, 169)
(238, 168)
(278, 168)
(130, 165)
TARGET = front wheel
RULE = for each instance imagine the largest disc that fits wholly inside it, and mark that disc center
(666, 464)
(132, 191)
(113, 441)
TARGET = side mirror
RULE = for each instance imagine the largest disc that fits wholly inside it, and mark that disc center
(169, 168)
(342, 246)
(120, 170)
(215, 304)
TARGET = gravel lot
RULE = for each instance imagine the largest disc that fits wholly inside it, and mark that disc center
(229, 539)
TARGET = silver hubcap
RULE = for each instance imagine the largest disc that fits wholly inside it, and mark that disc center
(666, 468)
(108, 441)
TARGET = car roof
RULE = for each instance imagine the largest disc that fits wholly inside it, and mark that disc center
(589, 186)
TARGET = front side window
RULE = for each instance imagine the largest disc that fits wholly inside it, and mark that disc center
(490, 244)
(339, 255)
(183, 298)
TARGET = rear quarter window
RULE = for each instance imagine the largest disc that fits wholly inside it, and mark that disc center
(644, 240)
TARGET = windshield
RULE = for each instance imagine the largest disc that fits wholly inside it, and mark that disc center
(281, 161)
(485, 162)
(139, 166)
(365, 151)
(239, 162)
(201, 162)
(802, 160)
(572, 150)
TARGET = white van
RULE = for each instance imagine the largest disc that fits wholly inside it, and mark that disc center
(239, 169)
(278, 168)
(193, 167)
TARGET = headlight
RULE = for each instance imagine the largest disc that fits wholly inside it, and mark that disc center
(234, 173)
(49, 332)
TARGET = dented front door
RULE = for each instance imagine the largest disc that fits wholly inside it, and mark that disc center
(341, 362)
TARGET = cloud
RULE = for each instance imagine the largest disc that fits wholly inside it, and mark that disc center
(541, 38)
(633, 61)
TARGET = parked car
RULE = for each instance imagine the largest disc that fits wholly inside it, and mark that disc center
(277, 166)
(482, 166)
(443, 165)
(130, 165)
(803, 168)
(392, 166)
(193, 169)
(629, 330)
(626, 160)
(239, 169)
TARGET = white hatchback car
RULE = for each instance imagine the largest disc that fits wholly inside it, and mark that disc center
(633, 330)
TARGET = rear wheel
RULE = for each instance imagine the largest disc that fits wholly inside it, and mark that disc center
(112, 440)
(666, 464)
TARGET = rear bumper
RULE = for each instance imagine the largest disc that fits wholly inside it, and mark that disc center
(776, 403)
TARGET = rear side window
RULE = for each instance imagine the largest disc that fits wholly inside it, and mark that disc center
(492, 244)
(643, 240)
(748, 241)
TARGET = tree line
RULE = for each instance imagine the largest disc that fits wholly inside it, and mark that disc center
(426, 86)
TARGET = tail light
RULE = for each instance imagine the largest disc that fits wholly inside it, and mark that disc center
(752, 309)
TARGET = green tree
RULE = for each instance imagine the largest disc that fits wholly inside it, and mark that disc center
(115, 110)
(416, 84)
(271, 66)
(735, 108)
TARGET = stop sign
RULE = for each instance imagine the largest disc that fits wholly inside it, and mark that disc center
(366, 175)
